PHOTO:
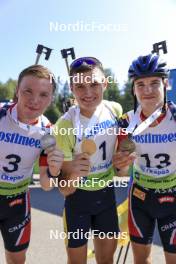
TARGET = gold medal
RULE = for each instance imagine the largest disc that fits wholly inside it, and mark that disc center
(127, 145)
(88, 146)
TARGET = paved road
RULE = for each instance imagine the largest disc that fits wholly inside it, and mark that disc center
(47, 208)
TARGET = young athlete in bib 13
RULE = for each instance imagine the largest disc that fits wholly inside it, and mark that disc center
(152, 128)
(91, 127)
(22, 125)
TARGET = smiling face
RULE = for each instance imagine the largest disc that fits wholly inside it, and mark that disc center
(89, 91)
(150, 93)
(34, 96)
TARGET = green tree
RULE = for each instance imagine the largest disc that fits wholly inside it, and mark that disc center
(112, 92)
(7, 90)
(59, 103)
(52, 113)
(127, 100)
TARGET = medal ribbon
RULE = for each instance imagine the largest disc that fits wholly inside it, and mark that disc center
(145, 124)
(92, 122)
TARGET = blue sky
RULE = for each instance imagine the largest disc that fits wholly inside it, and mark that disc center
(139, 24)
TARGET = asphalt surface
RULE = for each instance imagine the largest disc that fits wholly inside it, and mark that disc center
(47, 209)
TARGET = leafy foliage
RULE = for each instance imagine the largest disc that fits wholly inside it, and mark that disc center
(7, 90)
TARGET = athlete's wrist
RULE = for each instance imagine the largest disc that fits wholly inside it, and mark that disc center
(50, 175)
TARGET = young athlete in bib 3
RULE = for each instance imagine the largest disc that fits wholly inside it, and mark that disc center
(22, 125)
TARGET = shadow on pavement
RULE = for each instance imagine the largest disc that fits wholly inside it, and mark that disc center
(53, 202)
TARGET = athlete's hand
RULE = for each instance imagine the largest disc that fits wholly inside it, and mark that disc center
(55, 158)
(123, 159)
(80, 165)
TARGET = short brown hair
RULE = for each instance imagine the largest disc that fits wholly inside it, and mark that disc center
(38, 71)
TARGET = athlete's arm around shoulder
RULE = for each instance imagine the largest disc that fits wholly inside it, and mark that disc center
(115, 107)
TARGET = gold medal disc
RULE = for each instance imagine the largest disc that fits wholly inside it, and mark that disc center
(88, 146)
(127, 145)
